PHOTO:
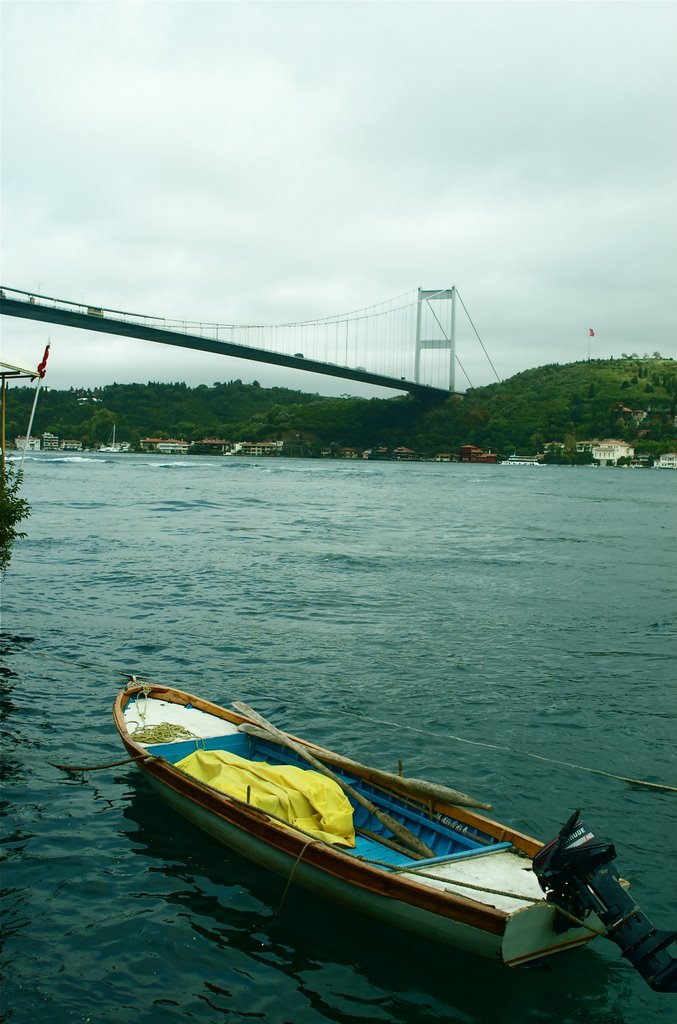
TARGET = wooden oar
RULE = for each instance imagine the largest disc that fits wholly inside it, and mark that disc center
(403, 834)
(420, 788)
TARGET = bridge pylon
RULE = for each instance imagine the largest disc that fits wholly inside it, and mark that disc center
(445, 328)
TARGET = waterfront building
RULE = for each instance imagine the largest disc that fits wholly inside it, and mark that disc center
(212, 444)
(608, 452)
(27, 444)
(49, 442)
(164, 446)
(258, 448)
(470, 453)
(402, 454)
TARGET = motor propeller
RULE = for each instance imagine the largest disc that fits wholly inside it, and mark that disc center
(575, 872)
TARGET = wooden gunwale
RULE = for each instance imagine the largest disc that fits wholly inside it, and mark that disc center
(527, 844)
(324, 858)
(329, 860)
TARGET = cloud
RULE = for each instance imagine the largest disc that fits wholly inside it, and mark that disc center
(267, 163)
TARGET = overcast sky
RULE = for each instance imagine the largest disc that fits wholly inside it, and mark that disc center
(274, 162)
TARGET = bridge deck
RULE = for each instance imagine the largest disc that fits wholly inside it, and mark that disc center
(106, 322)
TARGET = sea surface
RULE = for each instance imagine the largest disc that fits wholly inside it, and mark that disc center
(511, 632)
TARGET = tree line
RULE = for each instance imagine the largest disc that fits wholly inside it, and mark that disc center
(557, 402)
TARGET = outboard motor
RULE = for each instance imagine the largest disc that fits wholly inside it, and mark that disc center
(575, 872)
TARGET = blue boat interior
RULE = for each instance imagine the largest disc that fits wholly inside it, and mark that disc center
(448, 838)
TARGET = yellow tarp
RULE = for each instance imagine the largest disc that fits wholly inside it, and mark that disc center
(304, 798)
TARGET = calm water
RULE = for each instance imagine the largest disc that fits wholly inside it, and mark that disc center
(460, 618)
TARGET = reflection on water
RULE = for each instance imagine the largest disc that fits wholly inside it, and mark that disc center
(234, 906)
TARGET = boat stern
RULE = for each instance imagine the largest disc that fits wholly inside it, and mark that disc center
(532, 934)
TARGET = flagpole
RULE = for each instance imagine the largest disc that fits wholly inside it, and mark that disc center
(40, 374)
(30, 424)
(2, 444)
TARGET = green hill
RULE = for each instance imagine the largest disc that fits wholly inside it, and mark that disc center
(580, 400)
(597, 399)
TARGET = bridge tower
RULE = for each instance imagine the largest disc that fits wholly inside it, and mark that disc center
(445, 326)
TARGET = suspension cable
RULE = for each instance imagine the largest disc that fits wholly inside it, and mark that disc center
(478, 337)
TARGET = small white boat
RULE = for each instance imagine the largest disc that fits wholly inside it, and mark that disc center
(407, 852)
(520, 460)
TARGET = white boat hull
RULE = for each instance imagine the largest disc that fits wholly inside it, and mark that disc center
(528, 934)
(444, 900)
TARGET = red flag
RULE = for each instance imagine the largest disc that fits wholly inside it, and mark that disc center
(591, 332)
(42, 367)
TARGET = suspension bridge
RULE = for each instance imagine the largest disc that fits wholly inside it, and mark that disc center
(406, 344)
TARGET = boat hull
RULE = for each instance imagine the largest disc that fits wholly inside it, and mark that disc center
(433, 905)
(354, 897)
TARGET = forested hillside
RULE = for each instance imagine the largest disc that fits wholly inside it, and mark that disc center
(550, 403)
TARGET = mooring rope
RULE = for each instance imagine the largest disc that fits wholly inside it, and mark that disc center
(510, 750)
(662, 787)
(410, 869)
(293, 870)
(314, 840)
(99, 767)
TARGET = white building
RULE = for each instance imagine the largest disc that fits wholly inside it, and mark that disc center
(172, 447)
(258, 447)
(667, 461)
(27, 444)
(607, 453)
(164, 446)
(50, 442)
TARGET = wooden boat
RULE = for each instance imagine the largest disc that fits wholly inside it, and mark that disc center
(418, 861)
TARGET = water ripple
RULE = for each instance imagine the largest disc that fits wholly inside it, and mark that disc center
(490, 632)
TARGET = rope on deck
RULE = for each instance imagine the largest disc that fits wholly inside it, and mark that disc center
(164, 732)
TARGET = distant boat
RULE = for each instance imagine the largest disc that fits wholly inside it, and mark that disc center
(113, 446)
(520, 460)
(409, 853)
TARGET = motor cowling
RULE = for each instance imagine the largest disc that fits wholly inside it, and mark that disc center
(576, 873)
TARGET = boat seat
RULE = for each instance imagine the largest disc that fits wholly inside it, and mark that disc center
(481, 851)
(371, 849)
(234, 743)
